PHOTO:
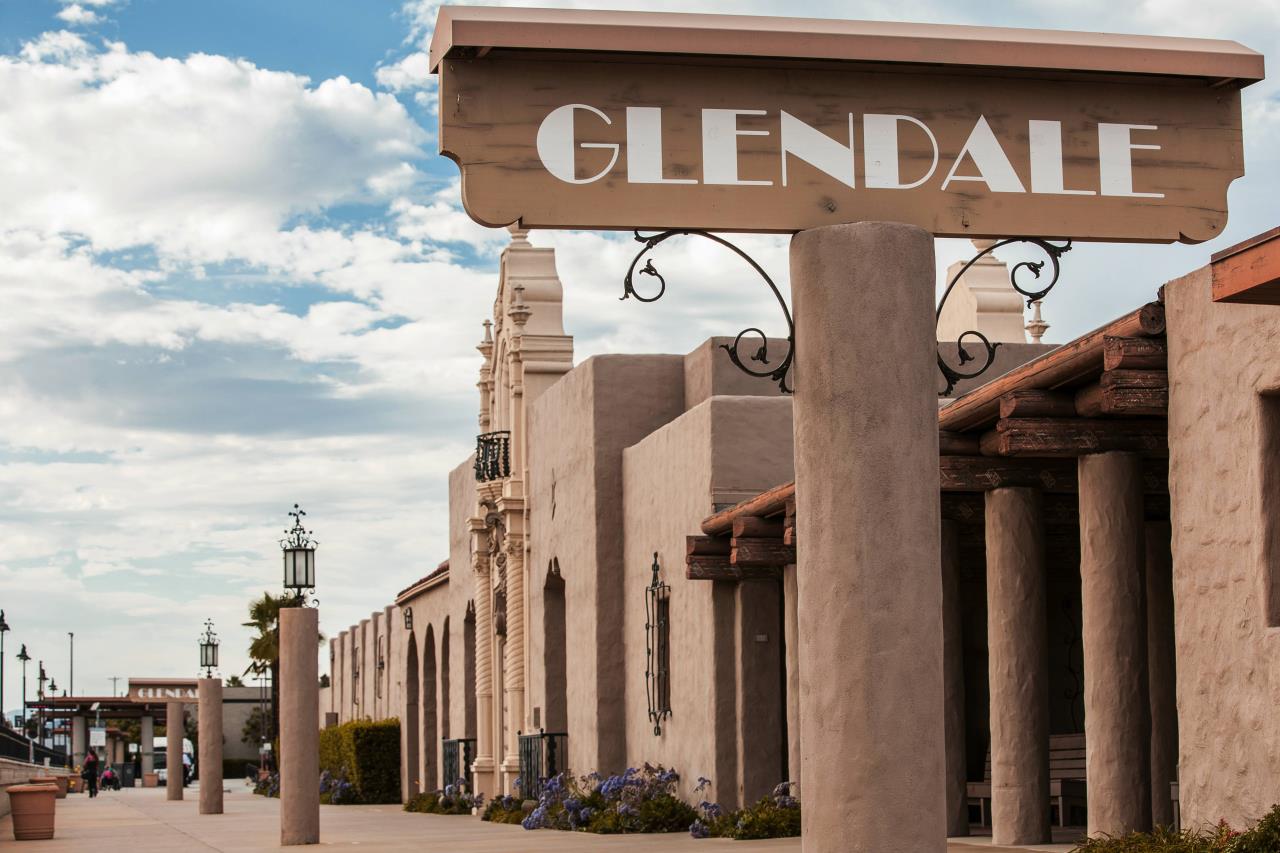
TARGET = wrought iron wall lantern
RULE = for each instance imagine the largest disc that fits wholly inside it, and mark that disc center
(657, 630)
(778, 370)
(209, 649)
(493, 456)
(408, 618)
(1053, 253)
(299, 557)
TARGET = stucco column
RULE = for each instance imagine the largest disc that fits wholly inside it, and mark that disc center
(174, 731)
(1018, 648)
(483, 766)
(79, 739)
(953, 684)
(513, 662)
(870, 595)
(1117, 717)
(147, 744)
(209, 693)
(299, 727)
(1161, 670)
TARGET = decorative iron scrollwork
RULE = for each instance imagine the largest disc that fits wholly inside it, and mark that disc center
(1053, 253)
(493, 456)
(778, 372)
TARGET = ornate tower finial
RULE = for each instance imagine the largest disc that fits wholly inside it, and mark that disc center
(1036, 326)
(519, 312)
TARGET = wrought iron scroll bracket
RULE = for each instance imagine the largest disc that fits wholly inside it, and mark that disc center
(776, 370)
(1036, 289)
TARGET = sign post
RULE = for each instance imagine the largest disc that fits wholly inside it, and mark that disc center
(625, 120)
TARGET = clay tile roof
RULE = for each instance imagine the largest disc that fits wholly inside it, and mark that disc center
(442, 569)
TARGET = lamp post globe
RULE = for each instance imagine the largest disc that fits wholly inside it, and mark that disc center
(299, 551)
(209, 649)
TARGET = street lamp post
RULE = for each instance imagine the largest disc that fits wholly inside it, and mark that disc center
(299, 556)
(41, 678)
(4, 629)
(71, 686)
(209, 649)
(24, 657)
(209, 711)
(299, 758)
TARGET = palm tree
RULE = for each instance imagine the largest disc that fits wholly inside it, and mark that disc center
(264, 649)
(235, 681)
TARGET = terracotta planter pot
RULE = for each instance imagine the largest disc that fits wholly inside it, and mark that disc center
(75, 784)
(32, 808)
(61, 782)
(150, 780)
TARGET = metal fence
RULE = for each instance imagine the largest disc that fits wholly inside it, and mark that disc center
(19, 748)
(541, 756)
(458, 755)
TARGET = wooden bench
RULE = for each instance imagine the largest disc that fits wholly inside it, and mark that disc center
(1067, 802)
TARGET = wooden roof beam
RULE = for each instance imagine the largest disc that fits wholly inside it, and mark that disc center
(1066, 437)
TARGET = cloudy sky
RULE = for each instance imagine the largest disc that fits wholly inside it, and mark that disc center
(234, 275)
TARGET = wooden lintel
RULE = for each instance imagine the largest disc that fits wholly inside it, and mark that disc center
(1064, 437)
(983, 473)
(963, 507)
(1094, 401)
(751, 526)
(1032, 403)
(700, 568)
(717, 546)
(764, 504)
(1134, 353)
(1134, 379)
(755, 553)
(1057, 509)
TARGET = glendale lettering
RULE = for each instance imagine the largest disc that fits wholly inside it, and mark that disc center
(982, 160)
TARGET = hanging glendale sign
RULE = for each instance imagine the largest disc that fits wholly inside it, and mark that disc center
(568, 119)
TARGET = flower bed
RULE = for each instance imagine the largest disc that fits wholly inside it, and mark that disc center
(1262, 837)
(774, 816)
(641, 800)
(454, 799)
(504, 809)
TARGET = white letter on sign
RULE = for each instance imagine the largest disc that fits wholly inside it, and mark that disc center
(994, 168)
(720, 147)
(556, 144)
(1046, 159)
(1115, 163)
(817, 149)
(880, 148)
(644, 148)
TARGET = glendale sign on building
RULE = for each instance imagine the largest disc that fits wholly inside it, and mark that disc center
(568, 119)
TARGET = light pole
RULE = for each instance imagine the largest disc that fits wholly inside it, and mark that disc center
(71, 686)
(41, 678)
(24, 657)
(299, 759)
(4, 629)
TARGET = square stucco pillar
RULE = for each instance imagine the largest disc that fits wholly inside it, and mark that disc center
(147, 744)
(79, 739)
(174, 727)
(209, 716)
(870, 593)
(1117, 713)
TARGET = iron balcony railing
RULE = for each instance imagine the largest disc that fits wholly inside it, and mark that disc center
(458, 755)
(493, 456)
(19, 748)
(542, 756)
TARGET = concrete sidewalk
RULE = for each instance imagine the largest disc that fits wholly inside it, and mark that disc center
(140, 820)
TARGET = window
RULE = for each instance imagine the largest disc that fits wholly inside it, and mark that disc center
(657, 671)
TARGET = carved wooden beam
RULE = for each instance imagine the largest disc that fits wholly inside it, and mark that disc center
(747, 553)
(983, 473)
(1134, 353)
(1063, 437)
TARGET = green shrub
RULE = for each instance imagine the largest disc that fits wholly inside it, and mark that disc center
(639, 800)
(504, 810)
(1263, 837)
(452, 800)
(366, 754)
(774, 816)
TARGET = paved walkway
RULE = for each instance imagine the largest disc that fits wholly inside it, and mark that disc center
(140, 820)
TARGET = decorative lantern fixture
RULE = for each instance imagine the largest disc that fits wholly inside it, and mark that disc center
(657, 630)
(209, 649)
(408, 618)
(299, 555)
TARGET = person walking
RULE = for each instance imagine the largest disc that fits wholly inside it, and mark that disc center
(89, 772)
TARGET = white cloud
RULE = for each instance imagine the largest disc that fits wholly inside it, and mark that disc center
(76, 14)
(411, 72)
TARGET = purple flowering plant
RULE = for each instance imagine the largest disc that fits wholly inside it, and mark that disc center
(637, 800)
(774, 816)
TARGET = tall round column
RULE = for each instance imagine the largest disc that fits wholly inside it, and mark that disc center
(299, 727)
(209, 691)
(1018, 649)
(870, 595)
(953, 683)
(1117, 717)
(1161, 671)
(174, 731)
(483, 767)
(147, 746)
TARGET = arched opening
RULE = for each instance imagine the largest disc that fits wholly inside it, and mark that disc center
(469, 672)
(445, 730)
(411, 781)
(430, 731)
(553, 638)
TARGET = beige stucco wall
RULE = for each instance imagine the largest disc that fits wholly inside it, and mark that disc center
(672, 481)
(1221, 359)
(579, 428)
